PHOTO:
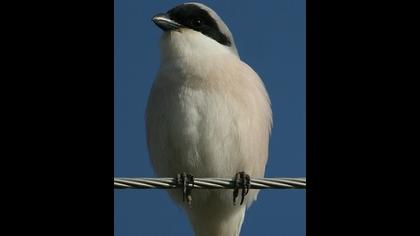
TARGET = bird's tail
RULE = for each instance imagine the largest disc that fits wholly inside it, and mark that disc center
(210, 221)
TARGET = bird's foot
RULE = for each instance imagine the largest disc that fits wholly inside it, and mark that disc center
(241, 181)
(186, 181)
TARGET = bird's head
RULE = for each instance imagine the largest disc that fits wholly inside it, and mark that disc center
(192, 29)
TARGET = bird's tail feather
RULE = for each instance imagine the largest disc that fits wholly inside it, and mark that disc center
(213, 222)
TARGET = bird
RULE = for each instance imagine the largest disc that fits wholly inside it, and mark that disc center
(208, 115)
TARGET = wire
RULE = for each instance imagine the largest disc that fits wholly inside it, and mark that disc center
(208, 183)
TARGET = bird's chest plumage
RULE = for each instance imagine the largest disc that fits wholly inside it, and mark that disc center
(207, 120)
(198, 132)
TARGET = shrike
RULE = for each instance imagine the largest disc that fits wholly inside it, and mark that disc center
(208, 115)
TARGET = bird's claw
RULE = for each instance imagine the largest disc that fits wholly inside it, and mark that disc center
(186, 181)
(243, 181)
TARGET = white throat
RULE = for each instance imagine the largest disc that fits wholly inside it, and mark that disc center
(186, 43)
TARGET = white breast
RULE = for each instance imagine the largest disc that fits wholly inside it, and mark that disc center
(208, 124)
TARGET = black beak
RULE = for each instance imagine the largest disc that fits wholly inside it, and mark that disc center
(164, 22)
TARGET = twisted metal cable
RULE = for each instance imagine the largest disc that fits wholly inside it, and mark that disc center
(208, 183)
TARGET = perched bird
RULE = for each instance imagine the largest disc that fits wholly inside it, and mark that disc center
(208, 115)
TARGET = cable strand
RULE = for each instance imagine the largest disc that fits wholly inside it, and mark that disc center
(208, 183)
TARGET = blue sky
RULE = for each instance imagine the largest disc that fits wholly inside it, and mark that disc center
(270, 37)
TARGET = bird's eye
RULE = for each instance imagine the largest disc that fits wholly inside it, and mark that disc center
(196, 22)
